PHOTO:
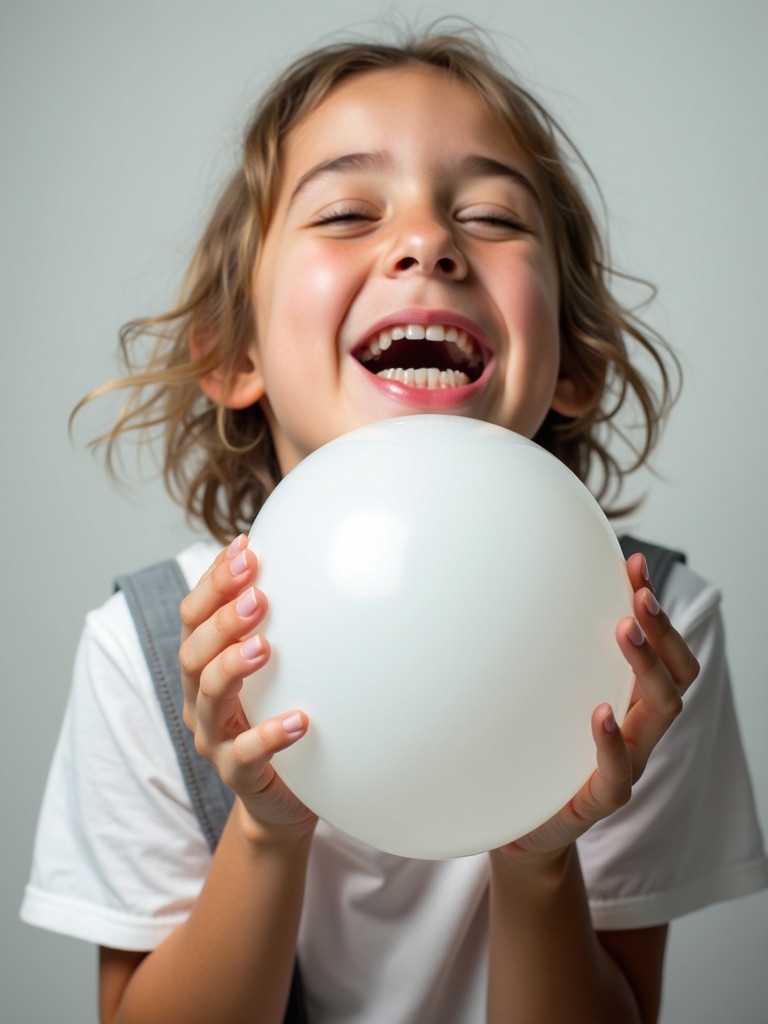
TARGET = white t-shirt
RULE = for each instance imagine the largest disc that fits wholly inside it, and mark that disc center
(119, 857)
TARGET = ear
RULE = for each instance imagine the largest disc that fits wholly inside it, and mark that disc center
(579, 385)
(236, 391)
(571, 399)
(245, 388)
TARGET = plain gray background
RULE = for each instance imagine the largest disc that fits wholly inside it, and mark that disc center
(117, 121)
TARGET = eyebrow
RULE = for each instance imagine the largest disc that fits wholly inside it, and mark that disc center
(474, 165)
(477, 166)
(339, 165)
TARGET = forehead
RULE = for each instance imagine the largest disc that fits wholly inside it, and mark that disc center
(379, 110)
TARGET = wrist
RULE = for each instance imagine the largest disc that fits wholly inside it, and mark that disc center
(516, 863)
(270, 835)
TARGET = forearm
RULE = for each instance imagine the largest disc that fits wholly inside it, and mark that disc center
(233, 958)
(546, 963)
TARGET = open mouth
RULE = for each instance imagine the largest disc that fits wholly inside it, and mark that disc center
(431, 356)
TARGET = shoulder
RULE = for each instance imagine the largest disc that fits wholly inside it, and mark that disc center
(195, 559)
(192, 562)
(110, 674)
(112, 620)
(689, 599)
(111, 885)
(110, 664)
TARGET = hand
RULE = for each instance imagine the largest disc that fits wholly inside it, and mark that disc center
(219, 648)
(664, 668)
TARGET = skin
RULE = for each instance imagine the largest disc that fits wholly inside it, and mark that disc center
(414, 229)
(412, 232)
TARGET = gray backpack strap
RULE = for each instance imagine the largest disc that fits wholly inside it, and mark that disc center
(660, 560)
(153, 595)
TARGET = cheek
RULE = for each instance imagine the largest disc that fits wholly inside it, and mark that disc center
(315, 286)
(531, 308)
(299, 307)
(525, 283)
(539, 297)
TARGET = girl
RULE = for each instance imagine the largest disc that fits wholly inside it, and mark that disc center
(404, 234)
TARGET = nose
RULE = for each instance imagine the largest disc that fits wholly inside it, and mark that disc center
(425, 246)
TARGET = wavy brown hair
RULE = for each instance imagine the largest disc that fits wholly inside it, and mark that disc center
(220, 463)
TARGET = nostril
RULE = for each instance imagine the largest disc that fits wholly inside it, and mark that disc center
(445, 264)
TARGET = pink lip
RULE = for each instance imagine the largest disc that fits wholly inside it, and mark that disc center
(444, 399)
(428, 398)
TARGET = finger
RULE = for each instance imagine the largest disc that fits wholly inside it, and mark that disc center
(226, 554)
(637, 570)
(267, 738)
(244, 763)
(658, 702)
(671, 647)
(262, 790)
(611, 785)
(665, 639)
(219, 714)
(232, 571)
(227, 625)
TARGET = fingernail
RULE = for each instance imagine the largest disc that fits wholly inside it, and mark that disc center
(238, 565)
(293, 723)
(247, 603)
(610, 723)
(651, 603)
(646, 574)
(234, 547)
(636, 634)
(252, 648)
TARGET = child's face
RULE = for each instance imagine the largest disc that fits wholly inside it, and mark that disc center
(403, 203)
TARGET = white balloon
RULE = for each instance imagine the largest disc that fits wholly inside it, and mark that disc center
(443, 597)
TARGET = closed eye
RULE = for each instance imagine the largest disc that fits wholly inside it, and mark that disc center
(345, 215)
(502, 222)
(493, 220)
(340, 218)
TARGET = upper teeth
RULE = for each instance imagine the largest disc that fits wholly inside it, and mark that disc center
(418, 332)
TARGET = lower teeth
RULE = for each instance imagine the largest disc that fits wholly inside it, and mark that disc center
(426, 378)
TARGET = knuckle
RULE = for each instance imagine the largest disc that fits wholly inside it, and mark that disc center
(673, 707)
(203, 746)
(187, 660)
(186, 612)
(691, 669)
(227, 666)
(615, 795)
(222, 627)
(243, 757)
(207, 687)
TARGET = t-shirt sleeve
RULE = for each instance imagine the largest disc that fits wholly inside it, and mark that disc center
(689, 836)
(119, 857)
